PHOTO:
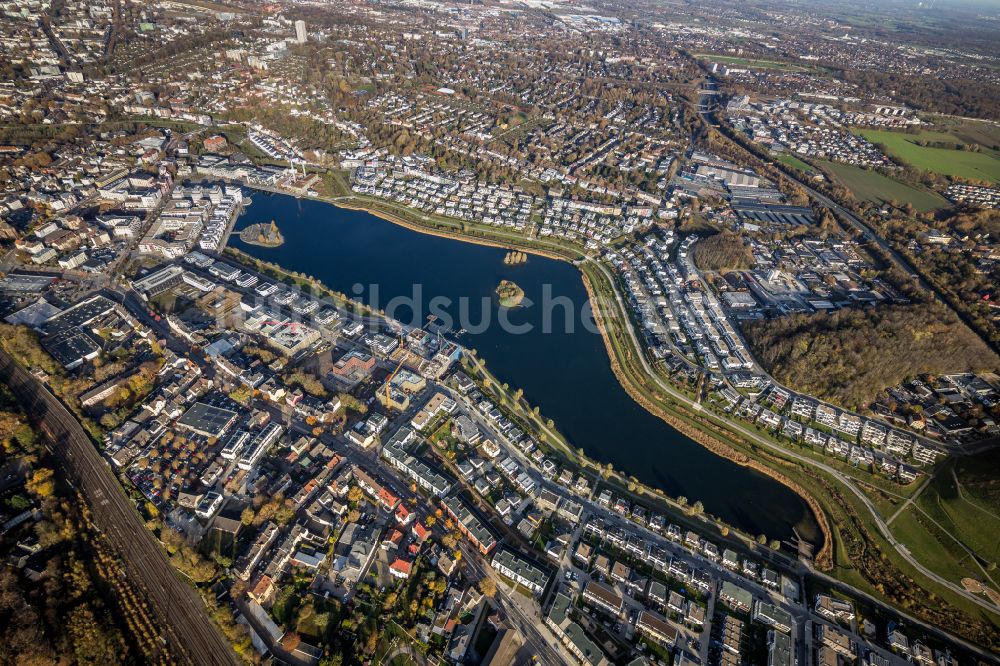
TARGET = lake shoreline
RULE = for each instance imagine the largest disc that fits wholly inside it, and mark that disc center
(712, 444)
(709, 443)
(432, 231)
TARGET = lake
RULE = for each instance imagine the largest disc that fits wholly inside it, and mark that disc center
(566, 373)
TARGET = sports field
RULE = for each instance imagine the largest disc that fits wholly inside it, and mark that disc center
(982, 165)
(876, 188)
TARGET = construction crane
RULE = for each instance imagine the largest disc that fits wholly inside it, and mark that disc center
(388, 380)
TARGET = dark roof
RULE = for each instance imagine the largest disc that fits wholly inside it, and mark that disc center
(70, 347)
(207, 419)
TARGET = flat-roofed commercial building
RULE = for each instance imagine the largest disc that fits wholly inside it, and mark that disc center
(207, 420)
(259, 445)
(836, 640)
(736, 596)
(160, 281)
(779, 649)
(771, 615)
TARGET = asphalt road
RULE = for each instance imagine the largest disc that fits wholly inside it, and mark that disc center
(757, 439)
(529, 626)
(190, 633)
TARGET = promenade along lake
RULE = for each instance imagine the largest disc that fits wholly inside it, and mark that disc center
(566, 373)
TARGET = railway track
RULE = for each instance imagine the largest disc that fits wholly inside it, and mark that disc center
(186, 628)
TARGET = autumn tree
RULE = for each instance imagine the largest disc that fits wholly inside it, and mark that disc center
(488, 587)
(42, 483)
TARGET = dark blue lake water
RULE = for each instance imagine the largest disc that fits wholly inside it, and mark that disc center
(565, 372)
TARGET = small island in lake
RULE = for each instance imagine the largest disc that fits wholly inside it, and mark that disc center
(265, 235)
(514, 258)
(510, 294)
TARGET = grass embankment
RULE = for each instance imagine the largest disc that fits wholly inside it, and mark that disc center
(942, 154)
(867, 562)
(554, 445)
(702, 432)
(469, 232)
(861, 556)
(873, 187)
(953, 529)
(708, 431)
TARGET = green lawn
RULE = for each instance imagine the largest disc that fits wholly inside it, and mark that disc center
(962, 522)
(794, 162)
(751, 62)
(962, 514)
(932, 548)
(402, 660)
(874, 187)
(983, 165)
(977, 475)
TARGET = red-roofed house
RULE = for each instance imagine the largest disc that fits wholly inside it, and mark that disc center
(387, 498)
(392, 540)
(383, 495)
(400, 568)
(420, 532)
(214, 143)
(403, 515)
(263, 592)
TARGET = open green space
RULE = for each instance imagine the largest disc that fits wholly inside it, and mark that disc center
(977, 476)
(986, 134)
(981, 165)
(751, 62)
(950, 528)
(863, 558)
(794, 162)
(876, 188)
(950, 504)
(933, 547)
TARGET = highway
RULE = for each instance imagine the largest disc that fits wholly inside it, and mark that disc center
(189, 632)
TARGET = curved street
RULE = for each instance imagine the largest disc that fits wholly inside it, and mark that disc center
(757, 439)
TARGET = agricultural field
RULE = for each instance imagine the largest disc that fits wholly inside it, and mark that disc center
(986, 135)
(948, 159)
(874, 187)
